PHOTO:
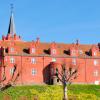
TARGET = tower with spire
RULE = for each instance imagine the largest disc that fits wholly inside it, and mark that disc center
(11, 34)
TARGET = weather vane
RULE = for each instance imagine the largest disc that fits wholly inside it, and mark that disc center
(12, 7)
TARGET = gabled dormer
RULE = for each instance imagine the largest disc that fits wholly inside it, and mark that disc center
(32, 48)
(94, 50)
(11, 49)
(74, 50)
(53, 49)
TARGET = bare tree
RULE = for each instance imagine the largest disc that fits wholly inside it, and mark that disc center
(12, 80)
(66, 77)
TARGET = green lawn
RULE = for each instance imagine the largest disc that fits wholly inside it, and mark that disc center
(48, 92)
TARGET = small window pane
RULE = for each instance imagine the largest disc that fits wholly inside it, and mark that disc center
(11, 71)
(12, 60)
(54, 51)
(96, 73)
(12, 49)
(33, 61)
(95, 53)
(95, 62)
(33, 50)
(74, 61)
(53, 59)
(34, 71)
(73, 51)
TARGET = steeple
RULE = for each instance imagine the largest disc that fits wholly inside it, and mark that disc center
(11, 35)
(11, 29)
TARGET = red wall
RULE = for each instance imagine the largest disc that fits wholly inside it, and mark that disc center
(85, 73)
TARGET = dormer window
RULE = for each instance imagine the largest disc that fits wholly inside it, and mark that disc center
(33, 50)
(73, 52)
(12, 49)
(80, 52)
(95, 53)
(53, 51)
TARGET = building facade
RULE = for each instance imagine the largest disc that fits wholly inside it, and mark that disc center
(34, 62)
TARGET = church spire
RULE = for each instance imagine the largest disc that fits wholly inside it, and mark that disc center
(11, 29)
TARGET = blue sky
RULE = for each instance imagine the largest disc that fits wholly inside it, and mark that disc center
(54, 20)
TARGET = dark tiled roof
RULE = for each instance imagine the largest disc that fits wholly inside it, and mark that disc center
(42, 48)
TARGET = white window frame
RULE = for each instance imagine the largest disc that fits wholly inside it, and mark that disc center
(74, 61)
(33, 60)
(96, 73)
(54, 51)
(12, 49)
(11, 71)
(53, 59)
(95, 62)
(95, 53)
(80, 52)
(73, 52)
(34, 71)
(33, 50)
(12, 60)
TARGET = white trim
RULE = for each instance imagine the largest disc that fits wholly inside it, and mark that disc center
(74, 61)
(33, 50)
(34, 71)
(53, 51)
(53, 59)
(11, 71)
(33, 60)
(95, 62)
(12, 60)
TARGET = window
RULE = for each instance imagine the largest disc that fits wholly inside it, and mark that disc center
(80, 52)
(12, 49)
(95, 53)
(53, 59)
(34, 71)
(73, 51)
(74, 61)
(11, 71)
(96, 73)
(12, 60)
(95, 62)
(33, 50)
(33, 60)
(54, 51)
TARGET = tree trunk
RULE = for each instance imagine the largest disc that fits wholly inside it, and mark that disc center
(65, 92)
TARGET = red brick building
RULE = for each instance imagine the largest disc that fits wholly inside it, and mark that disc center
(31, 62)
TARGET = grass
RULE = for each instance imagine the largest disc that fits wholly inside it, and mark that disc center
(51, 92)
